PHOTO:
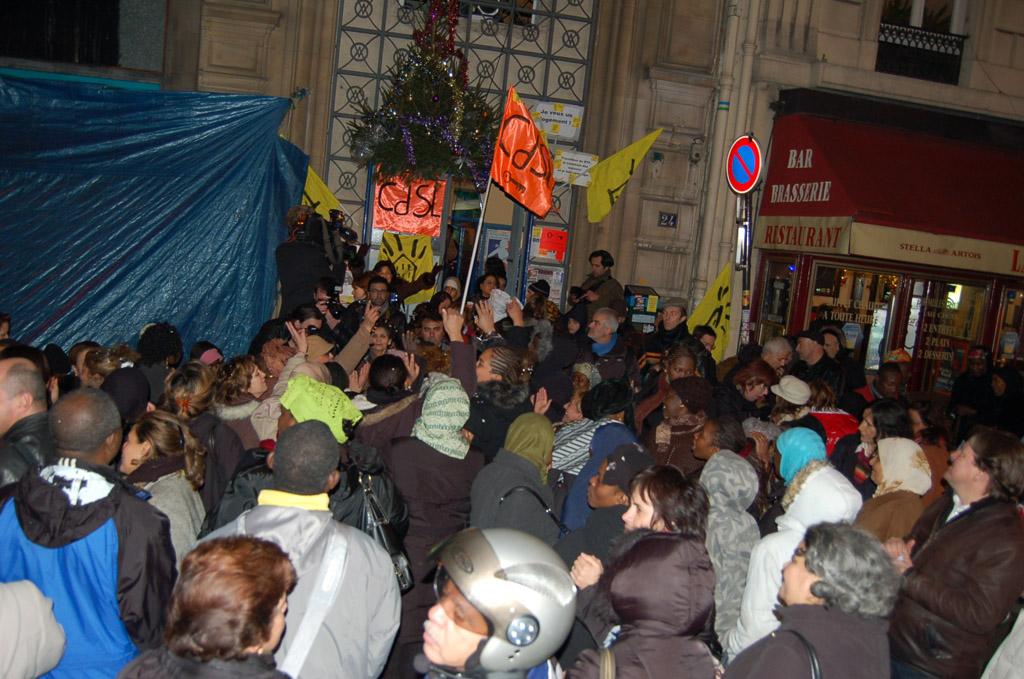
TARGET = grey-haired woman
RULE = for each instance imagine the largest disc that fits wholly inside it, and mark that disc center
(837, 592)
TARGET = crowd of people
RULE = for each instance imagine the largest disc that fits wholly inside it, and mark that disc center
(375, 490)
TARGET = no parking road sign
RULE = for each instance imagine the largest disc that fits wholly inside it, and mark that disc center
(743, 166)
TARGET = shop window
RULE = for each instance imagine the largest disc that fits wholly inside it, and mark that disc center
(860, 305)
(946, 318)
(1008, 333)
(778, 288)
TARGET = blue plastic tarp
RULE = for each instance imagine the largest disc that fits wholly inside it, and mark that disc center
(121, 208)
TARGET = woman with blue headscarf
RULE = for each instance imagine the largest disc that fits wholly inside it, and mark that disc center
(815, 492)
(611, 400)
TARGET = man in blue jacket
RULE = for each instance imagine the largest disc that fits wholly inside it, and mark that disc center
(89, 542)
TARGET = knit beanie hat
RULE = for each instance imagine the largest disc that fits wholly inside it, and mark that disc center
(445, 411)
(308, 399)
(540, 287)
(626, 462)
(693, 391)
(798, 446)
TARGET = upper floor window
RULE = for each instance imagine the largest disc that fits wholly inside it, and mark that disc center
(922, 39)
(941, 16)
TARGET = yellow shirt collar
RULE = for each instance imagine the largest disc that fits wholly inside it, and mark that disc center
(277, 498)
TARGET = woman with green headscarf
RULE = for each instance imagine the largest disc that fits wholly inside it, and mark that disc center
(511, 491)
(433, 470)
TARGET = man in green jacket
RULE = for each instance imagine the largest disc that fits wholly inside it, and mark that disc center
(599, 288)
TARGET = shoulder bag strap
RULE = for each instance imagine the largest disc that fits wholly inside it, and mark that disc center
(328, 582)
(812, 656)
(607, 664)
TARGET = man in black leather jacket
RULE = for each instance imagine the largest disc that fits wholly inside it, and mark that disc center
(27, 442)
(346, 500)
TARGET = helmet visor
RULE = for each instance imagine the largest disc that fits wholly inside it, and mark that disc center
(456, 606)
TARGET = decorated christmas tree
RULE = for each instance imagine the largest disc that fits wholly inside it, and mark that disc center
(430, 122)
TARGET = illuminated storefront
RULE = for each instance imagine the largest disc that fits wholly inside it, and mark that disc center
(902, 240)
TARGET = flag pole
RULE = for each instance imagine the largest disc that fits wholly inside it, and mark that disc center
(476, 246)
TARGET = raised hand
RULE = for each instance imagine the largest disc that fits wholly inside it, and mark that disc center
(484, 316)
(452, 321)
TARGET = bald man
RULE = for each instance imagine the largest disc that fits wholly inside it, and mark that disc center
(25, 438)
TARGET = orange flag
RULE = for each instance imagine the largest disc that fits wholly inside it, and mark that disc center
(522, 163)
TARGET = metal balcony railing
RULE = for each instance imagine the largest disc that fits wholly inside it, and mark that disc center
(918, 53)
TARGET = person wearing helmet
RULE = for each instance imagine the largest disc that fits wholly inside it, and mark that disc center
(505, 603)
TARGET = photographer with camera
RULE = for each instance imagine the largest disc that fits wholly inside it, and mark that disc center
(316, 249)
(326, 296)
(301, 261)
(379, 296)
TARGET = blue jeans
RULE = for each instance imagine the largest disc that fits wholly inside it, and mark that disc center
(898, 670)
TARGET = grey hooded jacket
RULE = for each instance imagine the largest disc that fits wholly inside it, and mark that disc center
(731, 484)
(356, 635)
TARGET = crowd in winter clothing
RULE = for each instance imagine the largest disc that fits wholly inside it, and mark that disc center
(756, 516)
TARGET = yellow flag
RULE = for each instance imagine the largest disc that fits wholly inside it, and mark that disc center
(713, 310)
(316, 191)
(608, 178)
(412, 256)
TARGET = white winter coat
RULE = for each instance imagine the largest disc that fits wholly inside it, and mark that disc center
(817, 494)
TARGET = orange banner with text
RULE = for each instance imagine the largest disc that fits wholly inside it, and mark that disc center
(414, 208)
(522, 164)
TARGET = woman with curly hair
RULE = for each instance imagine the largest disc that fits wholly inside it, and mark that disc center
(746, 396)
(101, 361)
(190, 395)
(837, 593)
(226, 615)
(240, 384)
(161, 456)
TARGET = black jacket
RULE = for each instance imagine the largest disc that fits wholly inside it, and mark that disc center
(163, 664)
(618, 362)
(556, 354)
(846, 646)
(356, 312)
(224, 450)
(826, 370)
(299, 266)
(346, 501)
(597, 536)
(658, 341)
(729, 402)
(28, 444)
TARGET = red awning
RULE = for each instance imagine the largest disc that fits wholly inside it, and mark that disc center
(850, 188)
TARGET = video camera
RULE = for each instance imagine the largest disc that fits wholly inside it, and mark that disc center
(338, 224)
(309, 225)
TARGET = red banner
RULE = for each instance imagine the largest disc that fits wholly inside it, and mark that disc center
(413, 209)
(522, 163)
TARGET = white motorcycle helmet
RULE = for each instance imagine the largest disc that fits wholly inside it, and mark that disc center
(520, 586)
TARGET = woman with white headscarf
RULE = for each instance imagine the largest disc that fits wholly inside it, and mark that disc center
(903, 475)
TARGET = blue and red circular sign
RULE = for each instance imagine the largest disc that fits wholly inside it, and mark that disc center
(743, 166)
